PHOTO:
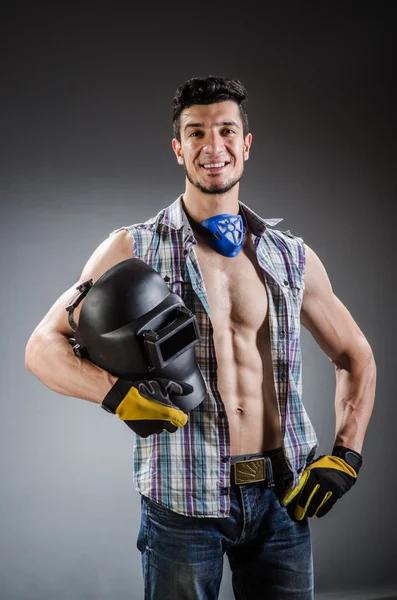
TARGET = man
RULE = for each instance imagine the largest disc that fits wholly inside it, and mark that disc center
(239, 475)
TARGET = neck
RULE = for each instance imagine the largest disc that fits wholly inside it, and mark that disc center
(202, 206)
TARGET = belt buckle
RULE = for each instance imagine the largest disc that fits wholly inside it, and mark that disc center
(249, 471)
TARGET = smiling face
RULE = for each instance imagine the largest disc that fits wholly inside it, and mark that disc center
(212, 149)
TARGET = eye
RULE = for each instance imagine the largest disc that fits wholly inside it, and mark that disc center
(228, 130)
(195, 132)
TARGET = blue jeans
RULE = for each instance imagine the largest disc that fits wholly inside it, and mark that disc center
(269, 553)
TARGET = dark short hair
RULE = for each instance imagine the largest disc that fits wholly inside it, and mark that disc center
(208, 90)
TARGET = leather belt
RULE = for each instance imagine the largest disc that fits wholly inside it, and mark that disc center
(253, 470)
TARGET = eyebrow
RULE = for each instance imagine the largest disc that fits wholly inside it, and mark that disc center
(233, 123)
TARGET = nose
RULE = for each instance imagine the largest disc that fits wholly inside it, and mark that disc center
(214, 144)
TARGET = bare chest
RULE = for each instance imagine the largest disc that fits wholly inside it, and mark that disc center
(235, 287)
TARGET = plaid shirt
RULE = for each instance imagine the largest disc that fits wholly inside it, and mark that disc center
(189, 471)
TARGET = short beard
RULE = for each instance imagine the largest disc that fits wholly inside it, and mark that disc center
(215, 189)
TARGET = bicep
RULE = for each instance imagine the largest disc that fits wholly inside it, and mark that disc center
(325, 316)
(114, 249)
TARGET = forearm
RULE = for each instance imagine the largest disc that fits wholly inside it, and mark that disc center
(354, 399)
(50, 357)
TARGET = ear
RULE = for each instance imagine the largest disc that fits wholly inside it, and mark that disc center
(177, 148)
(247, 145)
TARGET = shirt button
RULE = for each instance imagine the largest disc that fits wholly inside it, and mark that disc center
(283, 376)
(222, 415)
(166, 278)
(224, 491)
(225, 459)
(282, 333)
(285, 281)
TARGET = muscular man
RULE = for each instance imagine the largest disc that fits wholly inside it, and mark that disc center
(240, 476)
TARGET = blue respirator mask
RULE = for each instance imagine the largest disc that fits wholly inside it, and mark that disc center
(224, 232)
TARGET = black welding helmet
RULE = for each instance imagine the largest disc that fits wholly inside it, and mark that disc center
(134, 327)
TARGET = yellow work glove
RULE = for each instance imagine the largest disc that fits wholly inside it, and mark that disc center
(323, 482)
(146, 406)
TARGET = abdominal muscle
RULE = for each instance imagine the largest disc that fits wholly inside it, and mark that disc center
(239, 314)
(245, 383)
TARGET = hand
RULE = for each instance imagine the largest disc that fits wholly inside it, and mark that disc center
(323, 482)
(146, 406)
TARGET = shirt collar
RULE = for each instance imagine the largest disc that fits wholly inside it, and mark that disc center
(174, 217)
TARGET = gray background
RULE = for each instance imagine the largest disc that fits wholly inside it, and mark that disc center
(86, 147)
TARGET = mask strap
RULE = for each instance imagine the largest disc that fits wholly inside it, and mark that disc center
(196, 226)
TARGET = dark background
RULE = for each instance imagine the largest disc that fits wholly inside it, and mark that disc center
(86, 106)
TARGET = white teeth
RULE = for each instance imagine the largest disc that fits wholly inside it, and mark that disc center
(211, 166)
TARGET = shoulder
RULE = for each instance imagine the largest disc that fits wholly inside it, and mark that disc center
(316, 277)
(118, 246)
(142, 233)
(289, 244)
